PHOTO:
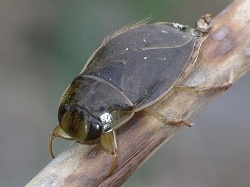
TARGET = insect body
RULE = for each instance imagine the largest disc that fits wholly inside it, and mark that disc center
(130, 71)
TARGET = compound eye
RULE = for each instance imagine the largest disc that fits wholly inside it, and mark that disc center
(95, 130)
(62, 110)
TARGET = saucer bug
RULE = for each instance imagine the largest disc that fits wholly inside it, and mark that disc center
(131, 70)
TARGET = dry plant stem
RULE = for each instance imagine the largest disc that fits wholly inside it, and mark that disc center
(226, 49)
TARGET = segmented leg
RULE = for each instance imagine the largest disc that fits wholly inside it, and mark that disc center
(206, 90)
(109, 144)
(163, 119)
(194, 89)
(112, 169)
(57, 132)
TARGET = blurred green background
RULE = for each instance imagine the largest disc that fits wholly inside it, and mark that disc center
(44, 45)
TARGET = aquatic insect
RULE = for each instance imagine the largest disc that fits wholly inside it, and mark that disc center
(131, 70)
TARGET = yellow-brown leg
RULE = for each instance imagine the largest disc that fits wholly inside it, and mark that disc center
(207, 90)
(109, 144)
(194, 89)
(57, 132)
(162, 118)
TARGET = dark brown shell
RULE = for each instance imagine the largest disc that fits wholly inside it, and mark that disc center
(140, 65)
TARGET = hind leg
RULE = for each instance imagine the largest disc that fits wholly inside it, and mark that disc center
(193, 89)
(206, 90)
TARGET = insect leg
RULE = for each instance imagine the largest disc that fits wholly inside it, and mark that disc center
(206, 90)
(162, 118)
(109, 144)
(57, 132)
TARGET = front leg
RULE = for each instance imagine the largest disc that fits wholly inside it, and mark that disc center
(57, 132)
(109, 144)
(164, 120)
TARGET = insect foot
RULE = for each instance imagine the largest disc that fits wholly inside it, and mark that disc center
(176, 122)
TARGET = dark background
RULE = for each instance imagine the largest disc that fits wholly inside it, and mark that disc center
(44, 45)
